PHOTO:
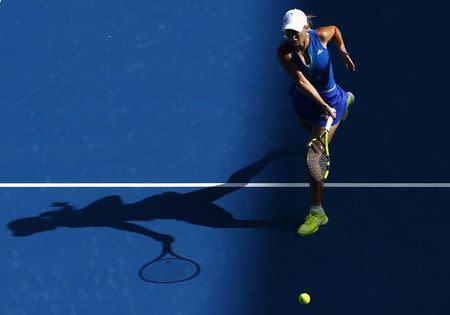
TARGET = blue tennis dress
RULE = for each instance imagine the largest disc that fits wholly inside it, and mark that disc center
(320, 73)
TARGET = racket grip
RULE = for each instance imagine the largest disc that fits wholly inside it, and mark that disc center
(329, 122)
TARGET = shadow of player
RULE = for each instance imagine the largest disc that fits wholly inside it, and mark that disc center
(196, 207)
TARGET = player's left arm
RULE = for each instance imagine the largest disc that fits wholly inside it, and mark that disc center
(332, 33)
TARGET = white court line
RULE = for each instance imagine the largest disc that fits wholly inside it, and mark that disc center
(204, 185)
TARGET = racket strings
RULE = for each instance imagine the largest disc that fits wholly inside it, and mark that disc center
(317, 161)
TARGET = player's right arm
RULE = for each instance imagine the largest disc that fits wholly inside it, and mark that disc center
(286, 59)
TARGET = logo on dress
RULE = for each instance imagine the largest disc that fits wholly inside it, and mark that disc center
(319, 51)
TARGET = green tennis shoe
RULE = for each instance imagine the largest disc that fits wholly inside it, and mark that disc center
(350, 101)
(312, 223)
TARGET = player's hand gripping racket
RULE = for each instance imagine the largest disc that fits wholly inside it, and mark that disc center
(318, 155)
(169, 267)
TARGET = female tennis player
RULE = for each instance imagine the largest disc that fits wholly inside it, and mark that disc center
(315, 94)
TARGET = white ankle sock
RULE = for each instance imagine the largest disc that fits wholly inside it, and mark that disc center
(317, 210)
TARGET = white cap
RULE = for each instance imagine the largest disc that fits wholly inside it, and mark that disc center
(295, 20)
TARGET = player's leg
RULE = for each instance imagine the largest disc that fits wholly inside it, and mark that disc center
(350, 101)
(316, 215)
(317, 188)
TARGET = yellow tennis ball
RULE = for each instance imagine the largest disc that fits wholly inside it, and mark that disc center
(304, 298)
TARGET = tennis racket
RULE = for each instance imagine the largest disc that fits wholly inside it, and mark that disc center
(169, 267)
(318, 155)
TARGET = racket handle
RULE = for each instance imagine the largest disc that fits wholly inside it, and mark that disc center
(329, 122)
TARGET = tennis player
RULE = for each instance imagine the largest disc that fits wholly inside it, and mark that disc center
(315, 94)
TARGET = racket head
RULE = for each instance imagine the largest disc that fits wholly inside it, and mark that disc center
(317, 160)
(169, 269)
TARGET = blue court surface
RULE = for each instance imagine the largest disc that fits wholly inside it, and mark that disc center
(174, 92)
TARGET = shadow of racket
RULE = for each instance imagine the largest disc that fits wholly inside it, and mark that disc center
(169, 267)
